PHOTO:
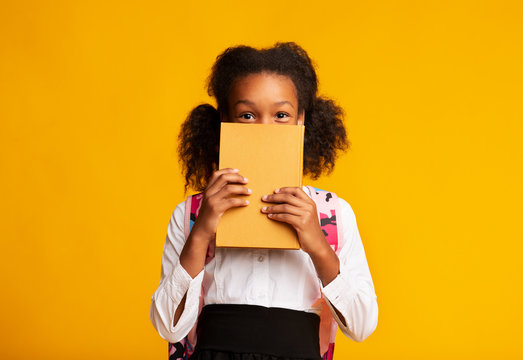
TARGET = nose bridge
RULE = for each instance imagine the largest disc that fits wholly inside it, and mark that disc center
(265, 118)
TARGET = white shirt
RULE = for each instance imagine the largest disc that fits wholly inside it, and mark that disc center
(271, 278)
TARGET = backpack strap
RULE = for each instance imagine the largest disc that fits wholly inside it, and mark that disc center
(192, 209)
(328, 207)
(185, 347)
(329, 212)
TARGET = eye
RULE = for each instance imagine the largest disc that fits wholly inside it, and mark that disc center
(282, 115)
(246, 116)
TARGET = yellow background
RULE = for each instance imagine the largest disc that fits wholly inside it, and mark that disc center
(92, 94)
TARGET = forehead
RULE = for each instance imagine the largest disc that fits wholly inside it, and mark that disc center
(263, 86)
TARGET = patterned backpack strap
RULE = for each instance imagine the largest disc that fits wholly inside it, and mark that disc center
(185, 347)
(329, 212)
(328, 206)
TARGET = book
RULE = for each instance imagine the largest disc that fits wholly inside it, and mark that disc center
(270, 156)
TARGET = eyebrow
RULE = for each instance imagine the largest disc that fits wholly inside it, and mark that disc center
(247, 102)
(283, 103)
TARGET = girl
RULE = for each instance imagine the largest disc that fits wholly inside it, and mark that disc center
(259, 303)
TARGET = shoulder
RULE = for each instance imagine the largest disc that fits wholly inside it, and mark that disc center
(346, 208)
(178, 216)
(180, 208)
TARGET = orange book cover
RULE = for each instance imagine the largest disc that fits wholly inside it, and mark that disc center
(270, 156)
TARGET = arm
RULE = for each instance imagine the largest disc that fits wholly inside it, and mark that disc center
(345, 281)
(351, 294)
(175, 303)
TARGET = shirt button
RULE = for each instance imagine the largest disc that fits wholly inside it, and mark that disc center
(260, 258)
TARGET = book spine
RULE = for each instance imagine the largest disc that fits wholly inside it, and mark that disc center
(300, 165)
(300, 170)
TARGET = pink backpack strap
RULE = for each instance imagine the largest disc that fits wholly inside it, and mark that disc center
(185, 347)
(329, 215)
(192, 209)
(329, 212)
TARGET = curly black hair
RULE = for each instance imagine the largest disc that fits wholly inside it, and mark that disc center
(199, 137)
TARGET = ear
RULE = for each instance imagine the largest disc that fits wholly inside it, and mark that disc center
(301, 118)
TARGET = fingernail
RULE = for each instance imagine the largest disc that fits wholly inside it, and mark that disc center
(264, 208)
(246, 202)
(235, 170)
(277, 190)
(249, 191)
(245, 179)
(264, 197)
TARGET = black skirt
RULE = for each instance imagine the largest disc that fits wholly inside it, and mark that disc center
(252, 332)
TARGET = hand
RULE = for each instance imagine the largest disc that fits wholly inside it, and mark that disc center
(299, 210)
(217, 198)
(296, 208)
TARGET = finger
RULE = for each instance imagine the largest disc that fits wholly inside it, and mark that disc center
(294, 190)
(286, 218)
(232, 189)
(220, 172)
(283, 198)
(234, 202)
(282, 209)
(224, 179)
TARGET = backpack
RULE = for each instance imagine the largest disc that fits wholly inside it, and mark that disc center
(328, 207)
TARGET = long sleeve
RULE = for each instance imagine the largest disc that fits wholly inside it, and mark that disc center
(175, 282)
(352, 291)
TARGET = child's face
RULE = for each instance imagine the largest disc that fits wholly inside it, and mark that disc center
(264, 99)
